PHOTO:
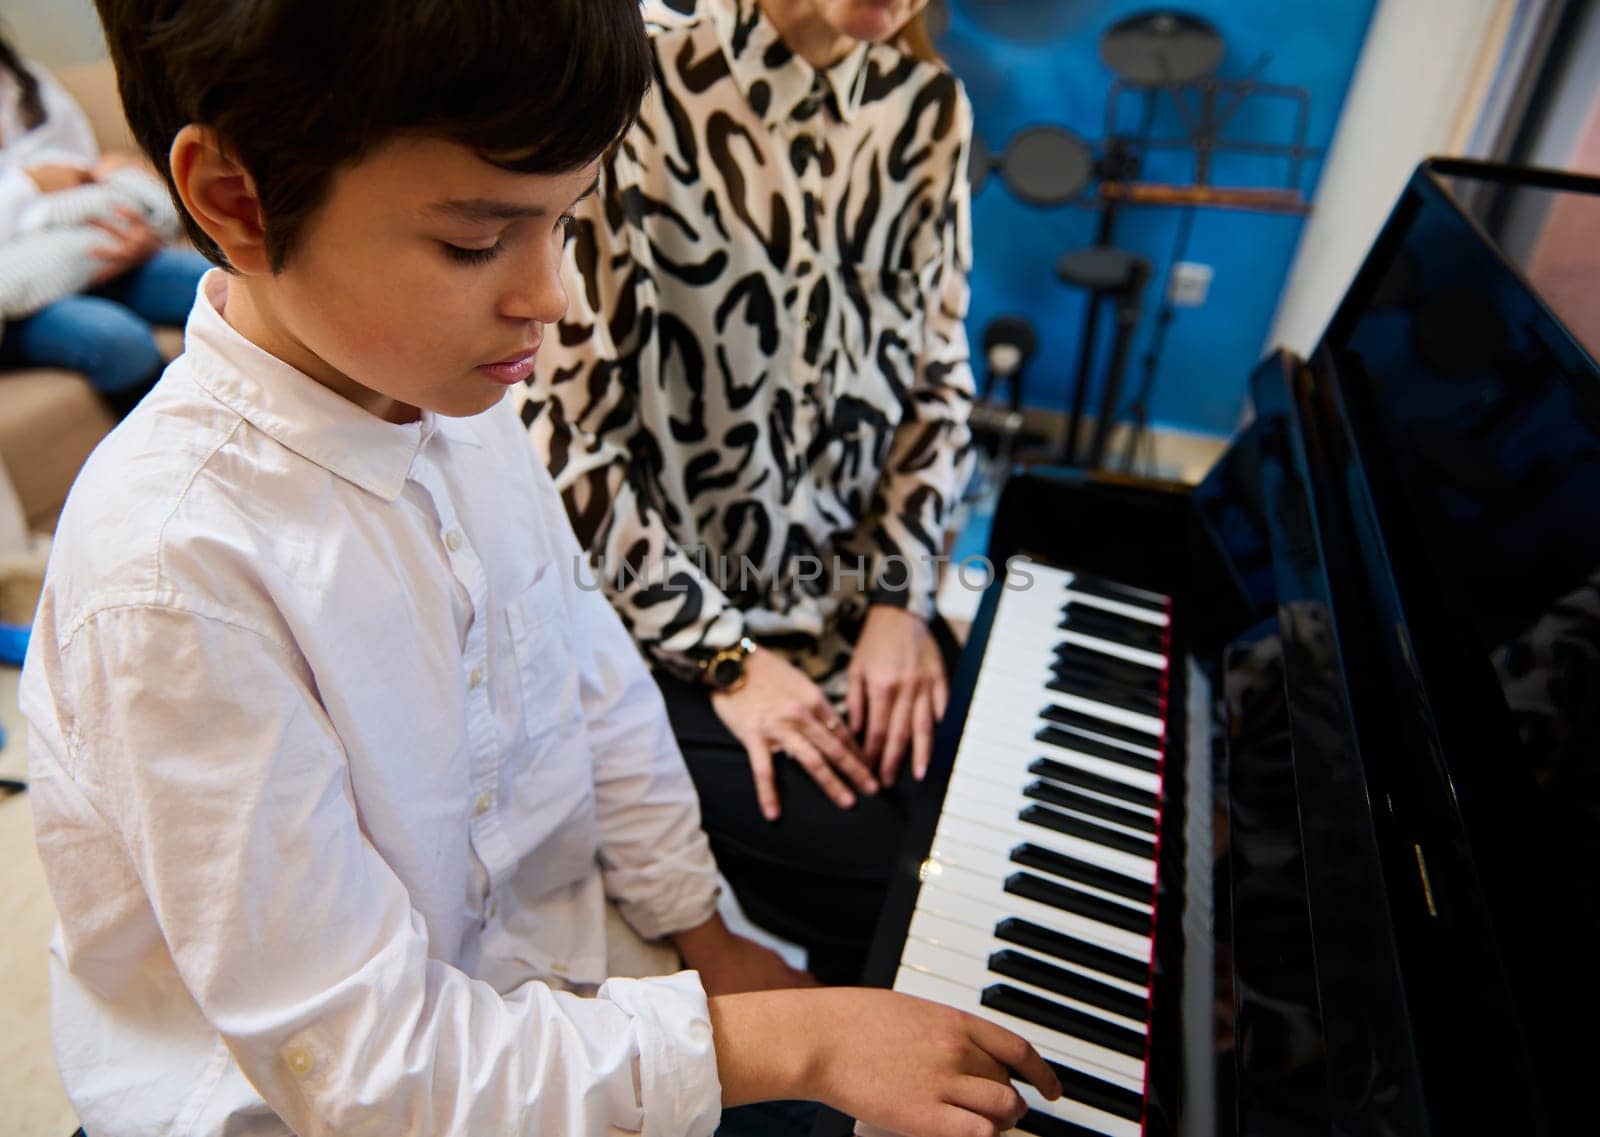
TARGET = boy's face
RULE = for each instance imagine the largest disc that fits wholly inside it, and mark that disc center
(424, 281)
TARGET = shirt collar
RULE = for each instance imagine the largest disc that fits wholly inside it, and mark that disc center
(778, 84)
(297, 411)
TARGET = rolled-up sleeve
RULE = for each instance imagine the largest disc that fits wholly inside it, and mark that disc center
(931, 455)
(300, 944)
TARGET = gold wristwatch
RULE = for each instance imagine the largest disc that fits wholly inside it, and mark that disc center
(725, 670)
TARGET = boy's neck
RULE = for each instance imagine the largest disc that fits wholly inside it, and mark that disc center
(803, 29)
(248, 310)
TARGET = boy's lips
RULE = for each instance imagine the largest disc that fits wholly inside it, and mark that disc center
(514, 369)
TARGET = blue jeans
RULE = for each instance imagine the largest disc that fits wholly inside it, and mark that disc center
(106, 333)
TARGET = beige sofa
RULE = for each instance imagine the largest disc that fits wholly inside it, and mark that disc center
(50, 419)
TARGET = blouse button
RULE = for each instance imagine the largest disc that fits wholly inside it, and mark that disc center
(475, 680)
(453, 540)
(299, 1060)
(484, 803)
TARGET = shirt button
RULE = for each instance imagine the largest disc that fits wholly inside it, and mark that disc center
(453, 540)
(475, 680)
(299, 1060)
(484, 803)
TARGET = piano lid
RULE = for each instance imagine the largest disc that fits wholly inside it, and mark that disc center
(1449, 442)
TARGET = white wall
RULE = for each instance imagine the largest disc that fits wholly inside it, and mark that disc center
(1422, 75)
(54, 32)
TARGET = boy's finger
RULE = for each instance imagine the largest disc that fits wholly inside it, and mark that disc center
(1017, 1054)
(996, 1101)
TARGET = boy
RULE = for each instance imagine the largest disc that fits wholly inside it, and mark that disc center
(335, 762)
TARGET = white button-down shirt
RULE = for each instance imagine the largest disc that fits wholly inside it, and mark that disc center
(336, 756)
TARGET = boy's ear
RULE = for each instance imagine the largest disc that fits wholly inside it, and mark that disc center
(220, 195)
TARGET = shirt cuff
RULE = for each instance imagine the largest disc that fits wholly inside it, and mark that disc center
(679, 1090)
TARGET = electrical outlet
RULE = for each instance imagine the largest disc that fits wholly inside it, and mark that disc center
(1189, 284)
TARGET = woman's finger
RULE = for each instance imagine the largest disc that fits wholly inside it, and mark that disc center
(899, 736)
(839, 755)
(921, 734)
(766, 782)
(812, 761)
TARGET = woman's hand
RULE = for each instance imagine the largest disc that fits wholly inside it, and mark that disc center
(133, 242)
(52, 177)
(779, 708)
(897, 691)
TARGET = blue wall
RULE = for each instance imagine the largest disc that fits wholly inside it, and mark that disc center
(1029, 62)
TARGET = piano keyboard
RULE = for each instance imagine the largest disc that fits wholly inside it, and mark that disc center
(1036, 909)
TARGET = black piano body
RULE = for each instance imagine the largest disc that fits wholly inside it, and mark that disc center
(1377, 900)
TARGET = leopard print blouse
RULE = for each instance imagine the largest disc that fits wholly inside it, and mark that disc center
(756, 406)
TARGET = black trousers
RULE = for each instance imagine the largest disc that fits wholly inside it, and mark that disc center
(819, 874)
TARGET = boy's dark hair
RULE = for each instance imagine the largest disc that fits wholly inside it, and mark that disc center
(298, 89)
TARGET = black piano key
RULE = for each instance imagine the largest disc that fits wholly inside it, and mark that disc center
(1101, 911)
(1072, 776)
(1078, 720)
(1052, 794)
(1010, 1000)
(1109, 589)
(1054, 819)
(1025, 933)
(1070, 868)
(1098, 663)
(1086, 686)
(1113, 626)
(1072, 740)
(1015, 965)
(1041, 1124)
(1092, 1092)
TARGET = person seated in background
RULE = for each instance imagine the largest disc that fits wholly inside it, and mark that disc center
(335, 765)
(756, 409)
(52, 173)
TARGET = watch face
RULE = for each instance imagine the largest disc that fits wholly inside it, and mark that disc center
(725, 672)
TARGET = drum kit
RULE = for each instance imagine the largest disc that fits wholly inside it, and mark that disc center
(1157, 56)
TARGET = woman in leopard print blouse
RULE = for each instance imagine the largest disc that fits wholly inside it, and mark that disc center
(756, 409)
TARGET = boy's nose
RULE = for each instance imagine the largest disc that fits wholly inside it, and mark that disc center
(537, 296)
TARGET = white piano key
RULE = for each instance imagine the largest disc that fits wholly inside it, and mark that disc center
(1158, 618)
(985, 910)
(979, 945)
(1115, 650)
(1118, 1069)
(1017, 778)
(1013, 802)
(960, 825)
(982, 748)
(967, 972)
(1030, 696)
(1077, 1113)
(995, 867)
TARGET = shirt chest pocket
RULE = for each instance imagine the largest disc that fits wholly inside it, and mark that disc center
(551, 784)
(881, 314)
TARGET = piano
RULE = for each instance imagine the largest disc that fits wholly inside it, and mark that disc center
(1272, 805)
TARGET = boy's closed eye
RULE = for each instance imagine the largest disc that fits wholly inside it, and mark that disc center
(479, 252)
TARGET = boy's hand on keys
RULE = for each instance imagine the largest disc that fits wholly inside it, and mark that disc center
(893, 1061)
